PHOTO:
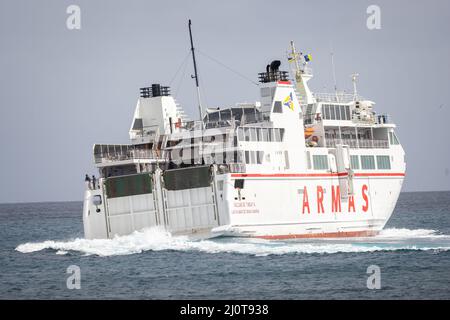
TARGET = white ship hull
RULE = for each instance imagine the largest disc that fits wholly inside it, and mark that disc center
(273, 206)
(279, 212)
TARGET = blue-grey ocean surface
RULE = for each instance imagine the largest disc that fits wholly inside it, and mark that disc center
(39, 241)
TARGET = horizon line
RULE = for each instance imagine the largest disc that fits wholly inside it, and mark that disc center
(58, 201)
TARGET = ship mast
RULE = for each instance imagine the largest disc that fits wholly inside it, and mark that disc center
(196, 74)
(295, 57)
(302, 74)
(355, 93)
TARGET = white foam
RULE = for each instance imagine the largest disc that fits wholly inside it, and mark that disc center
(156, 240)
(407, 233)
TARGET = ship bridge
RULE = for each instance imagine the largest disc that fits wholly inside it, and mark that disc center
(346, 119)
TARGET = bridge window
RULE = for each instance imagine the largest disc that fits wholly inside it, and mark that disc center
(247, 134)
(393, 138)
(383, 162)
(277, 135)
(282, 134)
(270, 134)
(261, 134)
(286, 159)
(252, 134)
(252, 157)
(320, 162)
(332, 113)
(336, 112)
(258, 134)
(265, 134)
(368, 162)
(343, 114)
(259, 156)
(247, 157)
(327, 111)
(241, 134)
(277, 108)
(354, 162)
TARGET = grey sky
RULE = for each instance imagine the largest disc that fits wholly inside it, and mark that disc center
(62, 90)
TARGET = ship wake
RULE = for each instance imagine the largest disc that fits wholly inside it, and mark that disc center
(155, 239)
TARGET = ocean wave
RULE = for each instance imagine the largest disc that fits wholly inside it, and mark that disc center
(408, 233)
(155, 239)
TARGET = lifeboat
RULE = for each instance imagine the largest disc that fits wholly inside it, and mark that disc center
(309, 132)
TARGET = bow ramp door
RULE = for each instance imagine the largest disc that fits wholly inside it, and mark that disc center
(130, 204)
(189, 200)
(180, 200)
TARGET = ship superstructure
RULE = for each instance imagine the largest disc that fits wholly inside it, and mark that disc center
(294, 164)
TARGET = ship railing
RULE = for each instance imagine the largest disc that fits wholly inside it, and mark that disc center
(223, 122)
(248, 118)
(358, 143)
(146, 131)
(338, 97)
(382, 118)
(237, 167)
(126, 152)
(307, 70)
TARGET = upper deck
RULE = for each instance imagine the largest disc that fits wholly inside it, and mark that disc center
(277, 133)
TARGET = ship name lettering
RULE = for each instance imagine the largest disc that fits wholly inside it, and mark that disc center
(336, 205)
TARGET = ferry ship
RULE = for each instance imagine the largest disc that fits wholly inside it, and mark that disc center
(295, 164)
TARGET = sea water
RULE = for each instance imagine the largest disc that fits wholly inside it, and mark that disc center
(40, 241)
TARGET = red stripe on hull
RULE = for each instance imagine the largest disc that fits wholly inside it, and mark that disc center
(292, 175)
(347, 234)
(395, 174)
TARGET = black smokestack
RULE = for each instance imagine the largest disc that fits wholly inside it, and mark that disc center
(275, 65)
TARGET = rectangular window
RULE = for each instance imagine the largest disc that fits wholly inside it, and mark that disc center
(368, 162)
(241, 134)
(308, 159)
(277, 108)
(252, 134)
(238, 157)
(393, 139)
(320, 162)
(332, 113)
(259, 156)
(383, 163)
(327, 111)
(286, 160)
(247, 134)
(343, 117)
(265, 134)
(258, 134)
(354, 162)
(281, 134)
(269, 134)
(308, 118)
(347, 112)
(235, 157)
(277, 135)
(247, 157)
(338, 114)
(252, 157)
